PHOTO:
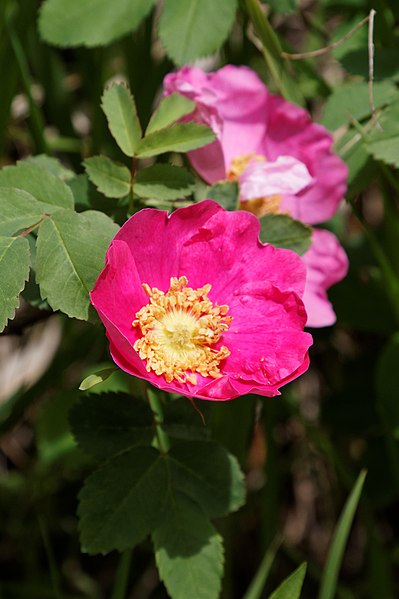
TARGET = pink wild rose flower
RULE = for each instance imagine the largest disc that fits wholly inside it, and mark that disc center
(197, 305)
(282, 161)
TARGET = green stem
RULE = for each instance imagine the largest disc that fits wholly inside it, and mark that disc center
(272, 52)
(36, 116)
(122, 575)
(162, 439)
(54, 572)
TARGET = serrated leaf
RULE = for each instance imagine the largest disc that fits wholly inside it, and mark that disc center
(163, 182)
(195, 28)
(108, 424)
(41, 183)
(19, 210)
(111, 178)
(225, 194)
(170, 110)
(291, 587)
(182, 421)
(188, 551)
(96, 378)
(351, 101)
(14, 272)
(282, 231)
(90, 23)
(208, 474)
(122, 502)
(180, 137)
(70, 255)
(120, 109)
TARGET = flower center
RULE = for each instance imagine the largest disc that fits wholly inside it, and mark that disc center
(179, 328)
(258, 206)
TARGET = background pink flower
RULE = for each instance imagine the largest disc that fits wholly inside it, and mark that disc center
(275, 152)
(261, 286)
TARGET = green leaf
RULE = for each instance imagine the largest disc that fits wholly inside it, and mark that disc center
(53, 437)
(291, 587)
(14, 272)
(54, 166)
(387, 385)
(337, 547)
(38, 181)
(18, 210)
(170, 110)
(164, 182)
(70, 255)
(195, 28)
(284, 6)
(386, 64)
(284, 232)
(108, 424)
(90, 23)
(110, 178)
(180, 137)
(188, 551)
(351, 101)
(208, 474)
(95, 379)
(383, 141)
(120, 109)
(225, 194)
(122, 502)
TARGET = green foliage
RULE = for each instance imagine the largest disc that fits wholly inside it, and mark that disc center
(284, 232)
(96, 379)
(120, 109)
(111, 423)
(341, 533)
(14, 270)
(225, 194)
(70, 255)
(170, 109)
(180, 137)
(123, 500)
(291, 587)
(188, 550)
(19, 210)
(164, 182)
(92, 22)
(351, 101)
(45, 187)
(195, 28)
(383, 141)
(110, 178)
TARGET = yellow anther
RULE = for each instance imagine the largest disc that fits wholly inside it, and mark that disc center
(179, 327)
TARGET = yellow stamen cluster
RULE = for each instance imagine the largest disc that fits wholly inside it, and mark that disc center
(179, 327)
(258, 206)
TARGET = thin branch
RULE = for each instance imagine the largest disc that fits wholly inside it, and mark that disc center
(327, 49)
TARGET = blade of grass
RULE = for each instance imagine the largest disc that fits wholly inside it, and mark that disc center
(122, 575)
(54, 571)
(257, 585)
(36, 117)
(331, 570)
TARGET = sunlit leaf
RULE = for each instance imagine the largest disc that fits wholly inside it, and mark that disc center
(225, 194)
(89, 22)
(170, 110)
(14, 271)
(110, 178)
(120, 109)
(291, 587)
(282, 231)
(180, 137)
(70, 255)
